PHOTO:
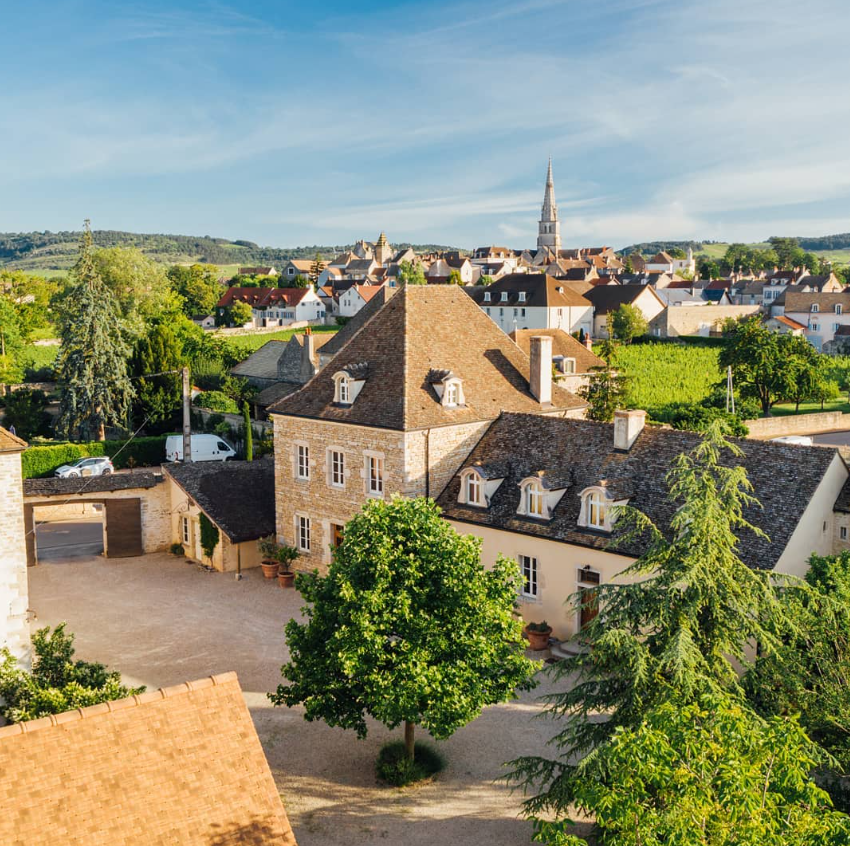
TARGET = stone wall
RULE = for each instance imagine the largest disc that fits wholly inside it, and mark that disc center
(695, 320)
(14, 627)
(798, 424)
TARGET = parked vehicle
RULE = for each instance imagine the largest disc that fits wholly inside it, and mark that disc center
(204, 448)
(85, 467)
(800, 440)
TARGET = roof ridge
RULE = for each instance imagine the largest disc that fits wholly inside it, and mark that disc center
(404, 359)
(29, 726)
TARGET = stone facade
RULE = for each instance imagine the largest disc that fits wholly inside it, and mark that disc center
(14, 626)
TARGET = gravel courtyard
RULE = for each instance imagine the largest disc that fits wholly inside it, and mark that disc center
(161, 621)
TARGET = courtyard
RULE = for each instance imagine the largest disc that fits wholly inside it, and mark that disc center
(162, 620)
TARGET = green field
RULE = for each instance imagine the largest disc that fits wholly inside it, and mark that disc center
(717, 251)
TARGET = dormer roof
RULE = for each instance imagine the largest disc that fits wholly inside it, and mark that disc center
(419, 330)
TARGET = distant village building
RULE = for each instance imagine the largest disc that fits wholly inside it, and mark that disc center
(275, 306)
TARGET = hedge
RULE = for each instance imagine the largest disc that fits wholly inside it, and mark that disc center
(216, 401)
(40, 461)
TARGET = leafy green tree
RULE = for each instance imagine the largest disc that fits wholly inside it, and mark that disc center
(708, 268)
(57, 682)
(316, 269)
(454, 278)
(26, 410)
(762, 362)
(11, 343)
(808, 371)
(788, 252)
(407, 627)
(604, 392)
(410, 273)
(158, 352)
(198, 285)
(676, 253)
(240, 313)
(628, 266)
(676, 627)
(299, 282)
(484, 279)
(137, 282)
(706, 773)
(628, 322)
(92, 361)
(31, 296)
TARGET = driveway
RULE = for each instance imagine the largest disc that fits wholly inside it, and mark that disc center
(162, 621)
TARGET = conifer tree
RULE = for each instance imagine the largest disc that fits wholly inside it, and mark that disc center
(158, 352)
(672, 631)
(92, 365)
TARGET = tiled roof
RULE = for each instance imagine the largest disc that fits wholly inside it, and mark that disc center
(421, 328)
(10, 442)
(787, 321)
(93, 484)
(255, 271)
(562, 344)
(367, 292)
(356, 323)
(540, 291)
(799, 301)
(784, 478)
(263, 297)
(238, 496)
(608, 298)
(182, 765)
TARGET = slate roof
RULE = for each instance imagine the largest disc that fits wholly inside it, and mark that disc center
(540, 291)
(356, 323)
(275, 392)
(421, 328)
(784, 478)
(238, 496)
(562, 344)
(52, 486)
(10, 442)
(181, 765)
(278, 360)
(842, 503)
(608, 298)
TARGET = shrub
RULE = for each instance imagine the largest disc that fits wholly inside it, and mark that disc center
(42, 460)
(539, 627)
(216, 401)
(394, 769)
(57, 683)
(209, 535)
(177, 549)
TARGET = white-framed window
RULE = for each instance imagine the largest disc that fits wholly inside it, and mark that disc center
(302, 527)
(533, 500)
(815, 327)
(486, 296)
(815, 308)
(336, 468)
(302, 461)
(842, 533)
(374, 474)
(504, 296)
(452, 393)
(597, 510)
(343, 388)
(838, 309)
(185, 531)
(522, 296)
(530, 582)
(473, 489)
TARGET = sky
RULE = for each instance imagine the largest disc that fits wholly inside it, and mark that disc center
(320, 123)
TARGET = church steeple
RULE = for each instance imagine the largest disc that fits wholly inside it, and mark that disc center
(549, 227)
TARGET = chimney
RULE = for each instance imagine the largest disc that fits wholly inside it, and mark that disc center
(588, 342)
(308, 356)
(627, 426)
(540, 378)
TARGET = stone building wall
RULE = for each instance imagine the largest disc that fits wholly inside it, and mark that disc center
(14, 627)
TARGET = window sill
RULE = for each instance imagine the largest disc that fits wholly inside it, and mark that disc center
(375, 494)
(530, 600)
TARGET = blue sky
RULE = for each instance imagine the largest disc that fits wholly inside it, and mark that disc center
(302, 123)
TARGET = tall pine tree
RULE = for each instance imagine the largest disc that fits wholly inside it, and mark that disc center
(159, 351)
(92, 365)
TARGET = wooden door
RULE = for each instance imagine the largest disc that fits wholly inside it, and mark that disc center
(123, 528)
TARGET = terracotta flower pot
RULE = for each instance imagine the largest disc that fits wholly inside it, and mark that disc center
(537, 640)
(286, 580)
(269, 569)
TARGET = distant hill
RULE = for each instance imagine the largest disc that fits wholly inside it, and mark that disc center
(40, 251)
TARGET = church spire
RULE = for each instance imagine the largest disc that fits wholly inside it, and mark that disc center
(549, 228)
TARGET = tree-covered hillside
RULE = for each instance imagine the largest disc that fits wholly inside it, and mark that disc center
(57, 250)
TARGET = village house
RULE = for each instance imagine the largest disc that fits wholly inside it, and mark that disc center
(823, 314)
(276, 306)
(663, 262)
(297, 267)
(266, 270)
(606, 299)
(354, 298)
(533, 301)
(572, 361)
(542, 490)
(398, 409)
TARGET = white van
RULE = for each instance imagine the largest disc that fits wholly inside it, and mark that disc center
(204, 448)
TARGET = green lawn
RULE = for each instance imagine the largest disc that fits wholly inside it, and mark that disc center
(250, 343)
(811, 407)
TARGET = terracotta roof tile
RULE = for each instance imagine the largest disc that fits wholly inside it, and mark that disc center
(181, 765)
(10, 442)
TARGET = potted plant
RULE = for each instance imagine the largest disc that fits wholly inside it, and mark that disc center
(285, 556)
(538, 635)
(268, 553)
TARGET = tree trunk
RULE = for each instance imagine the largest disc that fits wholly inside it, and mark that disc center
(408, 740)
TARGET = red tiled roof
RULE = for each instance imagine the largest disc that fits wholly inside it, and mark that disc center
(263, 297)
(180, 765)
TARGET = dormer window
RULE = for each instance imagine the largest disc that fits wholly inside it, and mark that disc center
(448, 387)
(533, 500)
(452, 395)
(504, 296)
(522, 296)
(343, 388)
(564, 365)
(597, 508)
(539, 495)
(838, 309)
(486, 296)
(478, 484)
(473, 490)
(815, 308)
(349, 382)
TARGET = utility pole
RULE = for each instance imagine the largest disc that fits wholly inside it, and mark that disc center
(187, 419)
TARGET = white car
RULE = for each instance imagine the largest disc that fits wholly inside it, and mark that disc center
(800, 440)
(85, 467)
